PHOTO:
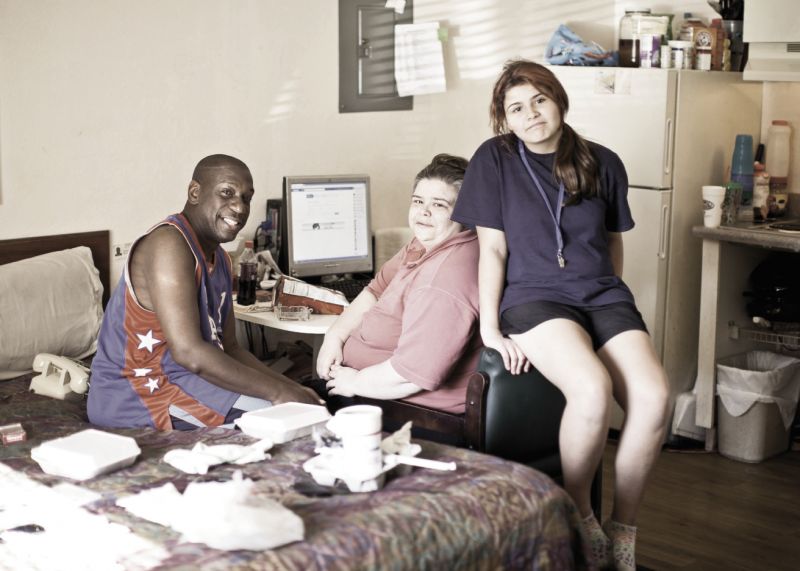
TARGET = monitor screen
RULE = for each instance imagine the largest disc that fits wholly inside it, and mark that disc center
(327, 225)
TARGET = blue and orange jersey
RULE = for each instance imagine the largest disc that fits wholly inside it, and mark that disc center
(135, 381)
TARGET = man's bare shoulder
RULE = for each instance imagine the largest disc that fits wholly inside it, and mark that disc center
(163, 249)
(164, 241)
(161, 257)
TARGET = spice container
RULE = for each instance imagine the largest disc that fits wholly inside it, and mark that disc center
(702, 59)
(687, 29)
(666, 57)
(681, 54)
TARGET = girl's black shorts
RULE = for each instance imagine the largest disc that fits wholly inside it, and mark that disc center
(601, 322)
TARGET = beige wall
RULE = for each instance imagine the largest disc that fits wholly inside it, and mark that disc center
(105, 107)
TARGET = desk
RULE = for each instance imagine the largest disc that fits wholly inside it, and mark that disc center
(737, 249)
(315, 327)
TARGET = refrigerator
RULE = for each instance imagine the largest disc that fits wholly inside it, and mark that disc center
(674, 131)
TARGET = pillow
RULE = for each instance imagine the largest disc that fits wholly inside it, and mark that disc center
(51, 303)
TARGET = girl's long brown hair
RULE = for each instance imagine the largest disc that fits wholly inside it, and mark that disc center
(575, 165)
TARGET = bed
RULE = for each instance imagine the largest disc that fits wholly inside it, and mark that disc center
(488, 514)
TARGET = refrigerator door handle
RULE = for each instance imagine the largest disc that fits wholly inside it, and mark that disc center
(662, 234)
(668, 147)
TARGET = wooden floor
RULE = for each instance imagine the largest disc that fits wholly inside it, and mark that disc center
(705, 512)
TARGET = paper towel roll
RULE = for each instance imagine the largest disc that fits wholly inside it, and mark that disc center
(388, 242)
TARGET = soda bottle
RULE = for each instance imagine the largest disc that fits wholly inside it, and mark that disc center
(248, 275)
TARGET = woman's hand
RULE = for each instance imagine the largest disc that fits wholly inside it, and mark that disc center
(342, 381)
(514, 359)
(330, 355)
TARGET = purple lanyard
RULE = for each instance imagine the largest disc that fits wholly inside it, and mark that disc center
(556, 216)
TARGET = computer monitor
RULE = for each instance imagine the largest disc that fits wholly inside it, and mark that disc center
(326, 228)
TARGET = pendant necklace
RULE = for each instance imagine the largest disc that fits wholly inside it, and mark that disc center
(556, 216)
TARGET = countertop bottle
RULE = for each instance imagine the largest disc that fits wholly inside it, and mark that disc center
(742, 172)
(760, 192)
(248, 275)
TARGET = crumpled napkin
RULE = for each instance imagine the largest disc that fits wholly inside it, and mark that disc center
(222, 515)
(399, 441)
(200, 458)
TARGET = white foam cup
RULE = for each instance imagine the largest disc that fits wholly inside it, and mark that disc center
(357, 420)
(363, 464)
(365, 442)
(713, 197)
(359, 428)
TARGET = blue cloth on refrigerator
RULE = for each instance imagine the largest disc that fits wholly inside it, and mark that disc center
(567, 48)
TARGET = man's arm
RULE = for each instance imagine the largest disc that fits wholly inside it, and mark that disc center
(242, 355)
(163, 265)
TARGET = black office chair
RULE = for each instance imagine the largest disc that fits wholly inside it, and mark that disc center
(515, 417)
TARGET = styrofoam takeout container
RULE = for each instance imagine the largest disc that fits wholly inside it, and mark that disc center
(283, 422)
(86, 454)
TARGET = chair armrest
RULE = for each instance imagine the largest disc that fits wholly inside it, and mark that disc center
(523, 412)
(475, 411)
(400, 412)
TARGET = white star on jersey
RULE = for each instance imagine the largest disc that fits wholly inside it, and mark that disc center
(141, 372)
(212, 325)
(221, 304)
(152, 384)
(147, 341)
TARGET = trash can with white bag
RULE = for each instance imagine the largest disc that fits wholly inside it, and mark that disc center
(757, 398)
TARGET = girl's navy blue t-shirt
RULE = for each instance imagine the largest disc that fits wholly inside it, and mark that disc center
(498, 193)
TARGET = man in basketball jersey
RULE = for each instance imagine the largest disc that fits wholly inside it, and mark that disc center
(167, 353)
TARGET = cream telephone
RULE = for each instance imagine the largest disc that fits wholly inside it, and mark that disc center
(59, 376)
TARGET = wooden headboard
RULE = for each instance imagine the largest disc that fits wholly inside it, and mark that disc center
(98, 242)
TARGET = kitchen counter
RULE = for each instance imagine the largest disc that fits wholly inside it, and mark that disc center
(730, 253)
(750, 234)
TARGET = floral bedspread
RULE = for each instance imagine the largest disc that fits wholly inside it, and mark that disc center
(488, 514)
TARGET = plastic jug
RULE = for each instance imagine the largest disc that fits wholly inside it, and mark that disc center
(778, 137)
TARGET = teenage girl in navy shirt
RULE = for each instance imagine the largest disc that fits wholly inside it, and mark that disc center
(549, 208)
